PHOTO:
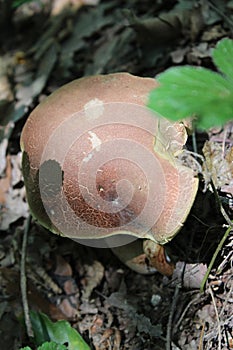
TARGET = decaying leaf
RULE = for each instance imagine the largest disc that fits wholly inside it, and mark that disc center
(178, 54)
(213, 33)
(59, 5)
(198, 52)
(191, 275)
(69, 302)
(168, 27)
(218, 165)
(6, 93)
(3, 148)
(141, 322)
(93, 276)
(26, 92)
(12, 199)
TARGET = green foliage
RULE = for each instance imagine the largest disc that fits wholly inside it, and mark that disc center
(55, 336)
(197, 91)
(17, 3)
(48, 346)
(223, 58)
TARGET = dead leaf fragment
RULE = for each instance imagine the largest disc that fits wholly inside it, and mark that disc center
(5, 87)
(179, 54)
(59, 5)
(218, 166)
(198, 52)
(93, 276)
(12, 199)
(158, 31)
(69, 302)
(214, 33)
(3, 148)
(192, 276)
(143, 324)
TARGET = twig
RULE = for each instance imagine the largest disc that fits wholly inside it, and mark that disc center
(23, 279)
(223, 212)
(216, 9)
(193, 301)
(219, 247)
(169, 324)
(200, 346)
(217, 316)
(226, 302)
(227, 258)
(226, 217)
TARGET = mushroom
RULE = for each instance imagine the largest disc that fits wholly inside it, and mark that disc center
(100, 167)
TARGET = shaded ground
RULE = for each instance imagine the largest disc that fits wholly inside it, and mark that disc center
(111, 306)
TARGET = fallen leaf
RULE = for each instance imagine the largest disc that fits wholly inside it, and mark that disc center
(218, 165)
(93, 276)
(5, 181)
(192, 274)
(179, 54)
(59, 5)
(141, 322)
(198, 52)
(214, 33)
(3, 148)
(6, 93)
(69, 302)
(12, 199)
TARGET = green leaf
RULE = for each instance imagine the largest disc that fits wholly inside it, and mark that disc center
(223, 57)
(17, 3)
(189, 91)
(60, 332)
(52, 346)
(48, 346)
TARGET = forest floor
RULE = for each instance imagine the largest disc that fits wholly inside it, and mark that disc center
(45, 44)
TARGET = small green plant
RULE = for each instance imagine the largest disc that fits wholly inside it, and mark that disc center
(196, 91)
(54, 336)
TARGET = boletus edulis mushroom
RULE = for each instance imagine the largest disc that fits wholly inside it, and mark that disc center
(101, 167)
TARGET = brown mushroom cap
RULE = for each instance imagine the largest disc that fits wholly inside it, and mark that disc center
(90, 154)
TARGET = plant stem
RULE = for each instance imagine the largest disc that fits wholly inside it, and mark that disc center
(219, 247)
(23, 280)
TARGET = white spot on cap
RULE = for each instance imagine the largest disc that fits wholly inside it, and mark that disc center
(94, 108)
(88, 157)
(95, 141)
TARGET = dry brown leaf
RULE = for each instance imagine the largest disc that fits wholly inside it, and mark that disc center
(59, 5)
(5, 181)
(69, 303)
(12, 199)
(93, 276)
(214, 33)
(5, 87)
(207, 314)
(3, 148)
(179, 54)
(193, 274)
(198, 52)
(218, 165)
(62, 267)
